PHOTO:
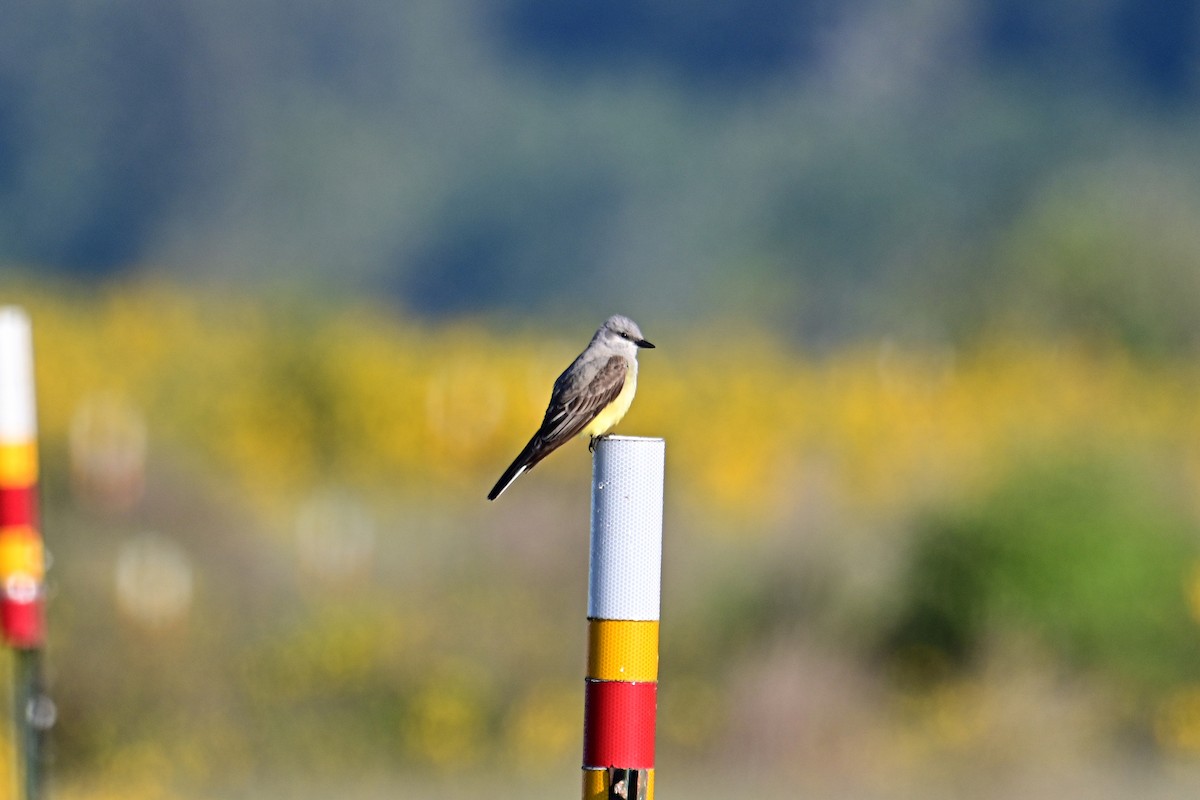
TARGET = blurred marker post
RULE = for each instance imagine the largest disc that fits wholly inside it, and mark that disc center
(22, 562)
(624, 579)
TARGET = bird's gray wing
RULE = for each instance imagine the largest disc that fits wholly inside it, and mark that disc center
(572, 407)
(575, 401)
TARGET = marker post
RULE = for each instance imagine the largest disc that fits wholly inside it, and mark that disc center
(22, 558)
(624, 581)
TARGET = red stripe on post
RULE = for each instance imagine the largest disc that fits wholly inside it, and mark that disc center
(18, 506)
(618, 724)
(22, 623)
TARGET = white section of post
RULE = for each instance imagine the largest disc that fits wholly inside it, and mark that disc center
(625, 566)
(18, 418)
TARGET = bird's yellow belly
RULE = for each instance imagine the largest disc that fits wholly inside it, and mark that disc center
(612, 413)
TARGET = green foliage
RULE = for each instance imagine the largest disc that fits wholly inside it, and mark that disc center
(1089, 555)
(1110, 255)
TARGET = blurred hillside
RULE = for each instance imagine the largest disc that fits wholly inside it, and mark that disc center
(837, 169)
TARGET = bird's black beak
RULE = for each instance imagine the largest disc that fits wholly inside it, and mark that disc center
(643, 343)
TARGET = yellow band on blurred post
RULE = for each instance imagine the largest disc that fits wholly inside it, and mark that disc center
(622, 650)
(21, 552)
(595, 784)
(18, 464)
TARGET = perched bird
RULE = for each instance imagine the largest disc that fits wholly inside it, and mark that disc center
(589, 397)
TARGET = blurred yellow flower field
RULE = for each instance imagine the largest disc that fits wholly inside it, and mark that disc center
(185, 433)
(280, 398)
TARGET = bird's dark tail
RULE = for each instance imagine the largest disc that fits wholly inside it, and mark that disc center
(532, 454)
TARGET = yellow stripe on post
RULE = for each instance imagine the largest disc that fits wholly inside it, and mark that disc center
(622, 650)
(21, 553)
(595, 784)
(18, 464)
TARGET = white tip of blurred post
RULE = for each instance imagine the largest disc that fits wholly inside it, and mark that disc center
(18, 420)
(625, 567)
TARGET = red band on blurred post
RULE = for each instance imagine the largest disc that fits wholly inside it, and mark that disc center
(18, 506)
(23, 622)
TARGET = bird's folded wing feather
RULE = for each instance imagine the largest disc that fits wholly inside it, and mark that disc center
(571, 410)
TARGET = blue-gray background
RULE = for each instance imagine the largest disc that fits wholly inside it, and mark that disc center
(835, 168)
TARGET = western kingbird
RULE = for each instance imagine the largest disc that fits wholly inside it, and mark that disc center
(589, 397)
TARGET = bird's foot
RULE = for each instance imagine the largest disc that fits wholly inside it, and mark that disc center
(591, 444)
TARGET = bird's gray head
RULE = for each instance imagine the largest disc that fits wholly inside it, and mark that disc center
(622, 332)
